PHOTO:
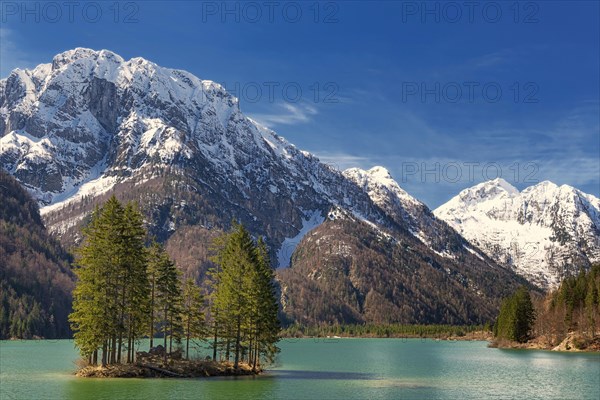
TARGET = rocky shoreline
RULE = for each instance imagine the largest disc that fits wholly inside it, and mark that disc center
(178, 369)
(571, 343)
(157, 364)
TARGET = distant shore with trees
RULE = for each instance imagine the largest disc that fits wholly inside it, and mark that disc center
(566, 319)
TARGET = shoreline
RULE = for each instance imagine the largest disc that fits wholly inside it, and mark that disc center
(470, 336)
(572, 343)
(180, 369)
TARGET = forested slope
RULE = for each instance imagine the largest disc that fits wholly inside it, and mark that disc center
(35, 277)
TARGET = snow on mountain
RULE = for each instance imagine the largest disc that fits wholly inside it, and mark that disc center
(544, 232)
(90, 122)
(380, 185)
(410, 212)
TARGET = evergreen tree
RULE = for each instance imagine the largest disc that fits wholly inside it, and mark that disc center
(192, 316)
(135, 293)
(154, 253)
(168, 298)
(516, 317)
(244, 306)
(111, 296)
(267, 324)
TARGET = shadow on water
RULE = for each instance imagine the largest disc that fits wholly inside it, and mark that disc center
(324, 375)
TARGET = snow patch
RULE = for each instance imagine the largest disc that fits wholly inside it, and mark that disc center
(312, 220)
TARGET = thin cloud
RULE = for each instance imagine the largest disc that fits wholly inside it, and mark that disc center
(493, 59)
(289, 114)
(342, 161)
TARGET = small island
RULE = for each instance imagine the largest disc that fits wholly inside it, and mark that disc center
(154, 364)
(128, 290)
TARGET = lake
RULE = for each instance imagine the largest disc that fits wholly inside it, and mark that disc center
(324, 369)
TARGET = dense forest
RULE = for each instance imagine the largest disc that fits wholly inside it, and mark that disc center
(386, 330)
(35, 276)
(127, 291)
(572, 309)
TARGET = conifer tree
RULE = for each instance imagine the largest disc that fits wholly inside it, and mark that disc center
(192, 316)
(516, 317)
(111, 296)
(168, 300)
(244, 306)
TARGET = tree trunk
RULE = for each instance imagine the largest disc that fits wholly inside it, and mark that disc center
(121, 325)
(165, 335)
(250, 351)
(130, 342)
(152, 315)
(215, 339)
(254, 361)
(187, 344)
(113, 350)
(227, 349)
(237, 343)
(104, 353)
(119, 347)
(171, 335)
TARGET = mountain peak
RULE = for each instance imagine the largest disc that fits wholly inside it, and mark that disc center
(70, 56)
(380, 172)
(376, 174)
(539, 231)
(501, 183)
(380, 185)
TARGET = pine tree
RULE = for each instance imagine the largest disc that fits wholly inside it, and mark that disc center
(244, 307)
(192, 316)
(111, 295)
(154, 257)
(168, 300)
(267, 323)
(516, 317)
(91, 317)
(136, 287)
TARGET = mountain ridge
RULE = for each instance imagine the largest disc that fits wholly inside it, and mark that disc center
(91, 124)
(544, 232)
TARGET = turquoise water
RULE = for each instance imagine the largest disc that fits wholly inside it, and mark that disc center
(324, 369)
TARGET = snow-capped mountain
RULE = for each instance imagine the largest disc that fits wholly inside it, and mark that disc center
(91, 121)
(409, 212)
(91, 124)
(544, 232)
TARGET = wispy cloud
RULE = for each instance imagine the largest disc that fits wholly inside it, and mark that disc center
(342, 161)
(289, 114)
(492, 59)
(11, 54)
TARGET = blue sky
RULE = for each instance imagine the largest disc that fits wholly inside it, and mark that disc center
(442, 94)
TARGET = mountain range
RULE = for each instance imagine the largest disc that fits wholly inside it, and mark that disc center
(350, 246)
(545, 232)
